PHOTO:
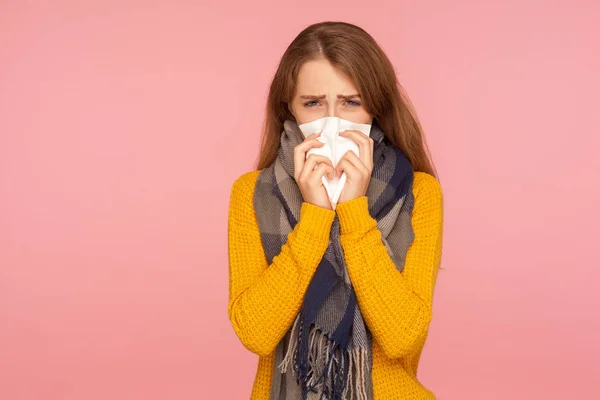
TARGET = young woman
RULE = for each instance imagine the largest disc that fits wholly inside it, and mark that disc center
(336, 301)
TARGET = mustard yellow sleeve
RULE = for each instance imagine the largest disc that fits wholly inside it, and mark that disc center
(265, 299)
(397, 306)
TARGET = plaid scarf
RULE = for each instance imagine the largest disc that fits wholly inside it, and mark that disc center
(327, 353)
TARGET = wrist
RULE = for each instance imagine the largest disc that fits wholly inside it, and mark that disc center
(354, 215)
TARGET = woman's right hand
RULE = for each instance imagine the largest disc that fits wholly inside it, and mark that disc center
(308, 178)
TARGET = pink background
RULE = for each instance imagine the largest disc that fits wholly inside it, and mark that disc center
(123, 125)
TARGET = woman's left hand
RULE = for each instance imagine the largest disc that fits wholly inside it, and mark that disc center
(358, 169)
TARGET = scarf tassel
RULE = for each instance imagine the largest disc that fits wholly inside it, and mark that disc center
(325, 358)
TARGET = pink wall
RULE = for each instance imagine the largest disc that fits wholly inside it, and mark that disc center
(123, 125)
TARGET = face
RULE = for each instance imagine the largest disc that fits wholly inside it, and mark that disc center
(324, 91)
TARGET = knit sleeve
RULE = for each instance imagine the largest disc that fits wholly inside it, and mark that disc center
(265, 299)
(397, 306)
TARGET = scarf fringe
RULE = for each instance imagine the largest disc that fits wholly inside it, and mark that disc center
(325, 360)
(290, 355)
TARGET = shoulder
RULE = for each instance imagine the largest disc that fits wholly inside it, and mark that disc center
(426, 184)
(247, 179)
(427, 192)
(242, 189)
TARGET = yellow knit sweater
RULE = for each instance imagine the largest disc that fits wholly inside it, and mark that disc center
(397, 306)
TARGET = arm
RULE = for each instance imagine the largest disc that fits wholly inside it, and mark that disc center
(265, 299)
(397, 306)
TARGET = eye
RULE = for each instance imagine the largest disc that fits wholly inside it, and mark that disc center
(308, 103)
(353, 103)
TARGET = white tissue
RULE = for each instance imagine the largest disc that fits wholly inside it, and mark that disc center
(335, 147)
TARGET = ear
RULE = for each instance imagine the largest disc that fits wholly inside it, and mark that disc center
(290, 109)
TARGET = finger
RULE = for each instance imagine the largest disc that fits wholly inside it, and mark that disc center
(345, 166)
(311, 162)
(321, 170)
(356, 161)
(365, 145)
(313, 159)
(312, 135)
(314, 175)
(351, 165)
(301, 150)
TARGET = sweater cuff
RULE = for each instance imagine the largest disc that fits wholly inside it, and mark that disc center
(354, 215)
(316, 220)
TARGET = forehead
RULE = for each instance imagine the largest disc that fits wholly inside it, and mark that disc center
(320, 77)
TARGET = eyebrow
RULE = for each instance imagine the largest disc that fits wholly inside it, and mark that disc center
(322, 96)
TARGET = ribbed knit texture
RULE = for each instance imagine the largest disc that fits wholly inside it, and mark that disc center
(397, 306)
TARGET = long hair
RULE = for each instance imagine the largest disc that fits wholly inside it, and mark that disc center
(354, 52)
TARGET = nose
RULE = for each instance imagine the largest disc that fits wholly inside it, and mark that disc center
(332, 110)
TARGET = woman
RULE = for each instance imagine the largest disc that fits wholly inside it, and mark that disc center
(336, 301)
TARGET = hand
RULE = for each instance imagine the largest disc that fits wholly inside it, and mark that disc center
(308, 172)
(358, 169)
